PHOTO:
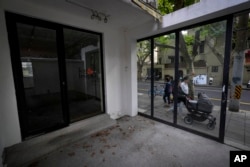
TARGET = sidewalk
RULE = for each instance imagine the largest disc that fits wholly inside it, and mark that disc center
(139, 142)
(237, 128)
(237, 131)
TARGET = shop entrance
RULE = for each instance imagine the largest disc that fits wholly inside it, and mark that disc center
(50, 61)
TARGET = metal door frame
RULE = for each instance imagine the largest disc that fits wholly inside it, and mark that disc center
(227, 53)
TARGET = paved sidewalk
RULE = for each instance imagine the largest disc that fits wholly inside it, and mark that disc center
(139, 142)
(237, 128)
(237, 131)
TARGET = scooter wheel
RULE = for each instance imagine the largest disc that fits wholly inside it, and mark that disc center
(188, 120)
(211, 125)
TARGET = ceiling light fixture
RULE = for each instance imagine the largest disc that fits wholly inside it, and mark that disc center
(95, 14)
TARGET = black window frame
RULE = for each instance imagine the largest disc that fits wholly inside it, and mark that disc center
(178, 59)
(11, 22)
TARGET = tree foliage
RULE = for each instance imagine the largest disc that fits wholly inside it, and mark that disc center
(168, 6)
(143, 53)
(165, 6)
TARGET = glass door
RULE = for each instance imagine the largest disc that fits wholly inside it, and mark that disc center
(40, 82)
(204, 57)
(145, 92)
(84, 74)
(196, 58)
(164, 74)
(58, 73)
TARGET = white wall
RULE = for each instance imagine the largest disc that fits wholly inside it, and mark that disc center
(9, 124)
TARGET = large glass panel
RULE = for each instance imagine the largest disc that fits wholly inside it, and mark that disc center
(84, 79)
(38, 52)
(201, 57)
(237, 130)
(164, 70)
(144, 76)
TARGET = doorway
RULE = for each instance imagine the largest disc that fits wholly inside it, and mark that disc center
(50, 75)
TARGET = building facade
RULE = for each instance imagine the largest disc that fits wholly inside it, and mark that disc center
(107, 60)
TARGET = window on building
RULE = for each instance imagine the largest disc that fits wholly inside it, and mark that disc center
(202, 46)
(215, 69)
(27, 69)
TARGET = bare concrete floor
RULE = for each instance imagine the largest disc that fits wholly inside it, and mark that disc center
(139, 142)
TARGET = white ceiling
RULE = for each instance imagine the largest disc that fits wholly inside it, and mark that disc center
(122, 13)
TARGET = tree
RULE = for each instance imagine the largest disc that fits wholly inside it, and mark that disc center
(143, 53)
(238, 60)
(212, 33)
(189, 44)
(166, 6)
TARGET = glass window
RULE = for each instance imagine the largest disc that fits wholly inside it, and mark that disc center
(27, 69)
(201, 106)
(39, 62)
(84, 75)
(144, 76)
(215, 69)
(164, 47)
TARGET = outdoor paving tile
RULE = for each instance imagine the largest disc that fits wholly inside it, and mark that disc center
(247, 126)
(234, 140)
(247, 132)
(247, 135)
(237, 123)
(248, 118)
(238, 130)
(239, 119)
(238, 113)
(247, 122)
(239, 139)
(247, 141)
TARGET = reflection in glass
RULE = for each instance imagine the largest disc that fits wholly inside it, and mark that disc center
(164, 70)
(144, 76)
(201, 58)
(40, 77)
(238, 115)
(83, 68)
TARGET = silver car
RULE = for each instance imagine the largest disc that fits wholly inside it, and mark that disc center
(248, 84)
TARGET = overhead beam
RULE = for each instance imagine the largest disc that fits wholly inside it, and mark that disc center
(152, 11)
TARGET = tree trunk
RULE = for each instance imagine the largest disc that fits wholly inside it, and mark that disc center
(194, 53)
(178, 4)
(215, 52)
(189, 64)
(238, 63)
(139, 71)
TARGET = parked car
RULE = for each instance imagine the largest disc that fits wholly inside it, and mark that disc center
(248, 84)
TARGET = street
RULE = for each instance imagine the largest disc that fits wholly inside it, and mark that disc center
(214, 93)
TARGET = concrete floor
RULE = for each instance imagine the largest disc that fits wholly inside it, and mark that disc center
(141, 142)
